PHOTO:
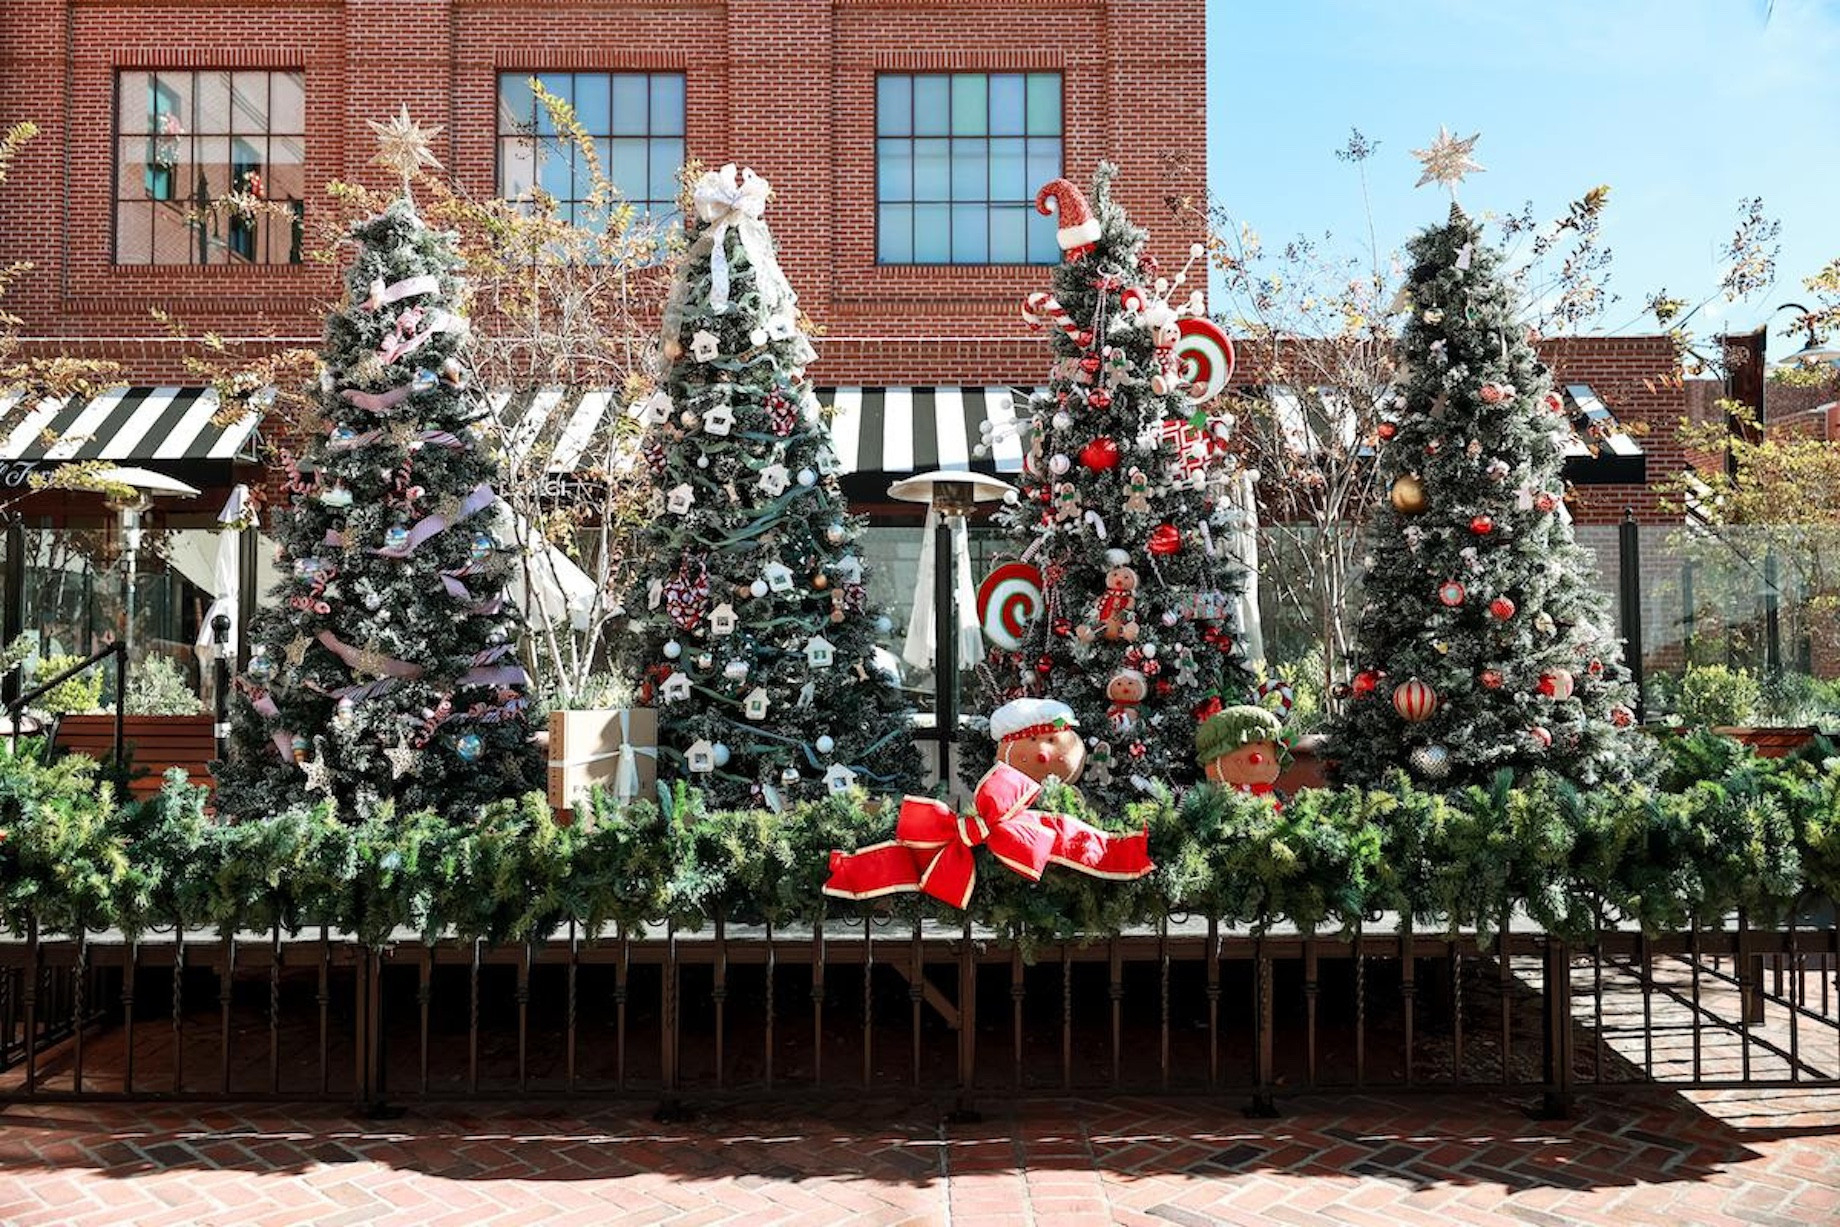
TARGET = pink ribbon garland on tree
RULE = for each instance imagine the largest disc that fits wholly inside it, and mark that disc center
(429, 525)
(386, 665)
(932, 849)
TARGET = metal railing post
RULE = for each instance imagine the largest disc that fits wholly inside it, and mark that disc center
(1629, 584)
(220, 683)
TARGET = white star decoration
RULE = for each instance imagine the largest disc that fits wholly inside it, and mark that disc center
(318, 778)
(1447, 160)
(404, 760)
(402, 144)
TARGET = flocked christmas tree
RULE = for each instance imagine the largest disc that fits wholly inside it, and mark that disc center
(751, 622)
(1481, 640)
(1125, 510)
(385, 666)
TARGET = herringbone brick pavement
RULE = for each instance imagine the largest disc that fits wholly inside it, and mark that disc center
(1765, 1158)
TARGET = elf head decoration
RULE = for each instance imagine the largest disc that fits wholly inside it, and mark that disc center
(1040, 738)
(1239, 747)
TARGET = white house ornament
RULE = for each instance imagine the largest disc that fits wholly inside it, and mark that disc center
(719, 421)
(704, 346)
(820, 653)
(675, 688)
(679, 499)
(774, 479)
(700, 757)
(722, 619)
(655, 409)
(778, 577)
(754, 707)
(839, 779)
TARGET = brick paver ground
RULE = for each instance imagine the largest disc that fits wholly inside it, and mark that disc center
(1770, 1158)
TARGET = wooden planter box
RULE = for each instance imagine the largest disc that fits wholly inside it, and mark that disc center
(1777, 742)
(154, 744)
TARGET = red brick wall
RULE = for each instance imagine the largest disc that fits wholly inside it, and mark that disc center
(784, 85)
(1637, 379)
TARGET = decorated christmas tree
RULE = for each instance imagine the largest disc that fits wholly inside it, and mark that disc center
(1481, 640)
(1124, 511)
(751, 621)
(385, 665)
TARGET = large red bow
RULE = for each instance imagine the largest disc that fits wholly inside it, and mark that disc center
(932, 846)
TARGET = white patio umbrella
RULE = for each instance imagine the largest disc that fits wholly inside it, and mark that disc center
(226, 581)
(1242, 544)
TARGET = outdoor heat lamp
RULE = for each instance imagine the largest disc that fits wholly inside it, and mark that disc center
(943, 595)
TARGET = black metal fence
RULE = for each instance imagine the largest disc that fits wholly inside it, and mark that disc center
(869, 1006)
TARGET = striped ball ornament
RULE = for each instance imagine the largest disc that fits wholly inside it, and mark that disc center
(1414, 700)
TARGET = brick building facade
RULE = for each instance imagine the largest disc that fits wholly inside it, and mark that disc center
(789, 87)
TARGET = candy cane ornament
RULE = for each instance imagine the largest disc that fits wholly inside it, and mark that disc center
(1008, 601)
(1041, 309)
(1204, 356)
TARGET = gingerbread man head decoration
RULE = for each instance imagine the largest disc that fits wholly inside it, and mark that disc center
(1040, 738)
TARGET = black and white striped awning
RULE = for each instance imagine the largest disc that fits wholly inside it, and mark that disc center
(566, 424)
(1600, 452)
(906, 429)
(128, 423)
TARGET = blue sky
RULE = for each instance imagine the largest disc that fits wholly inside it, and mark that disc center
(1682, 106)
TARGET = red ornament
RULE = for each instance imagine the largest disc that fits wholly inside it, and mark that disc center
(1482, 526)
(1099, 398)
(1386, 430)
(1502, 608)
(1541, 737)
(1165, 540)
(1490, 678)
(1365, 683)
(1595, 668)
(1544, 502)
(1063, 627)
(1164, 687)
(1622, 717)
(1137, 749)
(1207, 707)
(1451, 593)
(1044, 665)
(1090, 364)
(1099, 455)
(1554, 402)
(1414, 700)
(1556, 684)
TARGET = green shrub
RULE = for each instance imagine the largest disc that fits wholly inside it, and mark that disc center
(79, 694)
(1712, 696)
(157, 688)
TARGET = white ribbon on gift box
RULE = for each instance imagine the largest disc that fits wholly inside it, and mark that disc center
(626, 773)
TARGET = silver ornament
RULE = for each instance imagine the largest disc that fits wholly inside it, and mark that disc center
(1432, 762)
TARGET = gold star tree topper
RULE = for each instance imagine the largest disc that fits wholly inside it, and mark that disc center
(1448, 160)
(402, 145)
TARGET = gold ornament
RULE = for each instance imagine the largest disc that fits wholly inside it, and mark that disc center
(1408, 495)
(296, 651)
(402, 145)
(1447, 160)
(820, 582)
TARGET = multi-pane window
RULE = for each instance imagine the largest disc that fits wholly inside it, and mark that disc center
(635, 120)
(209, 167)
(958, 157)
